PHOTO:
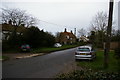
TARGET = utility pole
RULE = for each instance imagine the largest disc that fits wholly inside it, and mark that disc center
(109, 28)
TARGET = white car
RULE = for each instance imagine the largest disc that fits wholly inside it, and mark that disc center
(85, 52)
(57, 45)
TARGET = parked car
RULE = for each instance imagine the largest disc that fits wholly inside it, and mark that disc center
(57, 45)
(25, 48)
(85, 52)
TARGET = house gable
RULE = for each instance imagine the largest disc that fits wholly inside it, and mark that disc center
(67, 37)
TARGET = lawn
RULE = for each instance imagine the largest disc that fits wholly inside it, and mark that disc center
(51, 49)
(97, 64)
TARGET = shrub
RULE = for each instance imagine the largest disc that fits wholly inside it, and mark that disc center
(89, 75)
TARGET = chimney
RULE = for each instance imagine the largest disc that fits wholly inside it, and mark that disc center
(10, 22)
(71, 31)
(65, 30)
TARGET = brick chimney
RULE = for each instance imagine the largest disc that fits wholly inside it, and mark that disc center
(71, 31)
(65, 30)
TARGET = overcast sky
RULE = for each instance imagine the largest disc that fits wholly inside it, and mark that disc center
(60, 14)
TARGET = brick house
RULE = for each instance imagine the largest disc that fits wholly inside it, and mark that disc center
(7, 29)
(66, 37)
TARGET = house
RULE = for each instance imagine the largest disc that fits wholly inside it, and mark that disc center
(66, 37)
(7, 29)
(84, 39)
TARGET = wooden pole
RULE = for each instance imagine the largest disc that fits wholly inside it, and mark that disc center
(109, 28)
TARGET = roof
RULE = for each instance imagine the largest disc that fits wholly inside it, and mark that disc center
(8, 27)
(68, 33)
(84, 38)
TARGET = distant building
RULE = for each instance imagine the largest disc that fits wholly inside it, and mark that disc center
(66, 37)
(84, 39)
(7, 29)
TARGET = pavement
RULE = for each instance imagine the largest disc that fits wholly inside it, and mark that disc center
(21, 55)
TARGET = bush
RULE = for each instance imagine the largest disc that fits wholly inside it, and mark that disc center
(37, 38)
(90, 75)
(5, 45)
(32, 36)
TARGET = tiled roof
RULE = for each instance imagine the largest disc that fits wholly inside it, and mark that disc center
(8, 27)
(69, 34)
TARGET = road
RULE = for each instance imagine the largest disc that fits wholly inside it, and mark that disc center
(46, 66)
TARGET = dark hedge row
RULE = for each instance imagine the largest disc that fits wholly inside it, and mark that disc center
(89, 75)
(32, 36)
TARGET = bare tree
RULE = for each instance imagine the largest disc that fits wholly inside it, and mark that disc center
(57, 36)
(99, 26)
(17, 17)
(99, 22)
(81, 32)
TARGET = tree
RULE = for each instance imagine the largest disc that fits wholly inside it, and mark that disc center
(115, 35)
(99, 22)
(32, 36)
(50, 39)
(99, 26)
(82, 32)
(17, 17)
(92, 37)
(57, 36)
(38, 38)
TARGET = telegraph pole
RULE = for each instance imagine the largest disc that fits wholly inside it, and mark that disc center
(109, 28)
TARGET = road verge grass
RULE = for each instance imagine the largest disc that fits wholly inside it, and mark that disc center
(97, 64)
(4, 58)
(52, 49)
(93, 70)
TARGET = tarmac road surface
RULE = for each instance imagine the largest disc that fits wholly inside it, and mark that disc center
(46, 66)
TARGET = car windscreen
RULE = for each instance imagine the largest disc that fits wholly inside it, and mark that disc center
(24, 46)
(83, 49)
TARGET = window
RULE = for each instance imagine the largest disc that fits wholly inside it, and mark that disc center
(67, 37)
(83, 49)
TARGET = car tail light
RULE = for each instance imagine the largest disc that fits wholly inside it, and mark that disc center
(28, 47)
(89, 53)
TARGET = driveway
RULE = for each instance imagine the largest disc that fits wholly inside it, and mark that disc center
(46, 66)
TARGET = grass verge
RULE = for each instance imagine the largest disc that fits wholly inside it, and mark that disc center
(97, 64)
(52, 49)
(4, 57)
(94, 70)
